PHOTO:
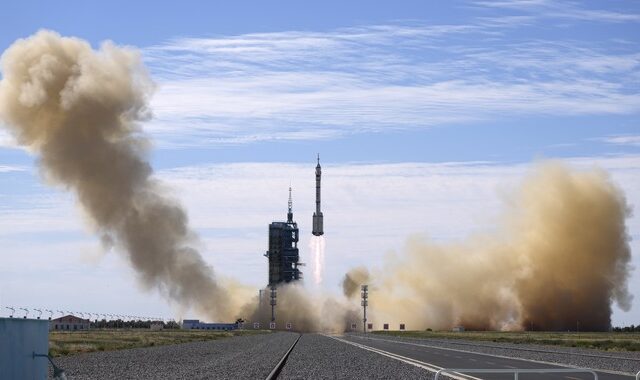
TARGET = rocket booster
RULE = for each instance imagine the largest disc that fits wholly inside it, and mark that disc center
(317, 215)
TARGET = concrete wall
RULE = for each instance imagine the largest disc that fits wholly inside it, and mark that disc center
(19, 339)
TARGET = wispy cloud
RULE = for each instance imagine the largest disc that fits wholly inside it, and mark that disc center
(562, 9)
(12, 168)
(630, 140)
(313, 85)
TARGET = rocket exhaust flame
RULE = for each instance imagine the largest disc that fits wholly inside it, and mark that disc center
(317, 246)
(77, 109)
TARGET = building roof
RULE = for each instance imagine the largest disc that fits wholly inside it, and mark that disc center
(70, 319)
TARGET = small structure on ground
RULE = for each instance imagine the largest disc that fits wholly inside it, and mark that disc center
(458, 329)
(156, 326)
(69, 323)
(195, 324)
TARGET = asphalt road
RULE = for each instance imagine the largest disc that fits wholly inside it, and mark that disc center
(437, 357)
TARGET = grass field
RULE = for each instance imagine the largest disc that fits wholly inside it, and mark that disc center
(613, 341)
(73, 342)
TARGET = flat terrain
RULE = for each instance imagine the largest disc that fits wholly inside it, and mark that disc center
(618, 341)
(62, 343)
(348, 356)
(239, 357)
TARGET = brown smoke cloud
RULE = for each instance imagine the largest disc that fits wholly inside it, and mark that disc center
(561, 258)
(352, 281)
(78, 110)
(305, 311)
(561, 255)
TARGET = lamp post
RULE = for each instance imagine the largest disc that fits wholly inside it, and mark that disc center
(365, 303)
(273, 303)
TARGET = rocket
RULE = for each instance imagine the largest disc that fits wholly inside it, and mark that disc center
(317, 216)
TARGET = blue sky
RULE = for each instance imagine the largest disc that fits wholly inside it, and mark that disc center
(248, 92)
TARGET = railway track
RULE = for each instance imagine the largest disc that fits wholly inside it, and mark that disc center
(275, 372)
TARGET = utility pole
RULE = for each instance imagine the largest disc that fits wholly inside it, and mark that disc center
(365, 303)
(273, 303)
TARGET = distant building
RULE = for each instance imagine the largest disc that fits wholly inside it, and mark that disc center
(156, 326)
(69, 323)
(195, 324)
(283, 251)
(458, 329)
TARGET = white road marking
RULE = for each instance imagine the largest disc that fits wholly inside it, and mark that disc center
(428, 366)
(495, 356)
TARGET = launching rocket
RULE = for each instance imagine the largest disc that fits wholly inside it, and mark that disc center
(317, 216)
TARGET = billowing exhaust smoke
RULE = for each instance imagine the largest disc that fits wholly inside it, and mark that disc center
(77, 109)
(560, 258)
(305, 311)
(558, 262)
(353, 280)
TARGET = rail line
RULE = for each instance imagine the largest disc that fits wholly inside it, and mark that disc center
(275, 372)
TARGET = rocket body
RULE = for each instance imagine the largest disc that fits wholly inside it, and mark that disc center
(318, 228)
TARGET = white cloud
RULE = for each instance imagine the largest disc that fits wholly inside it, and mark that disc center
(630, 140)
(312, 85)
(562, 10)
(12, 168)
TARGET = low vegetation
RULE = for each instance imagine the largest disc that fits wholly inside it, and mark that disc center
(72, 342)
(607, 341)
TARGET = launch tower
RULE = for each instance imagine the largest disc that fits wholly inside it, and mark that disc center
(283, 251)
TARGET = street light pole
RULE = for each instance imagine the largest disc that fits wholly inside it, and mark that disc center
(365, 303)
(273, 303)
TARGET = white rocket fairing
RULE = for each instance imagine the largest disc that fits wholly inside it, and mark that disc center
(317, 215)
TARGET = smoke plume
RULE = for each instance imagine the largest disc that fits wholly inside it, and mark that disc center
(77, 109)
(306, 312)
(561, 256)
(560, 259)
(352, 281)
